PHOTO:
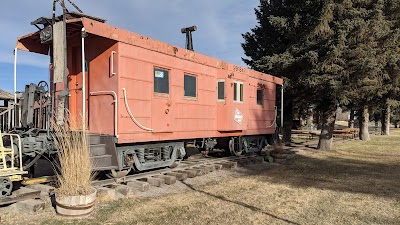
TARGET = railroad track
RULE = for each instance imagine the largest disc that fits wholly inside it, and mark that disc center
(142, 181)
(190, 168)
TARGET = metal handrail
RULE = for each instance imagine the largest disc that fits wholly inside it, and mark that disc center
(113, 73)
(131, 115)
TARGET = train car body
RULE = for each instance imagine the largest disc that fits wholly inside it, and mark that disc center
(148, 99)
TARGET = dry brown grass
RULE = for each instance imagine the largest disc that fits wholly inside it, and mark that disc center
(358, 183)
(74, 171)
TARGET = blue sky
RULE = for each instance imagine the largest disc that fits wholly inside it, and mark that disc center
(220, 25)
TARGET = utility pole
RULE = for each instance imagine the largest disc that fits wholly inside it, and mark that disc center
(60, 79)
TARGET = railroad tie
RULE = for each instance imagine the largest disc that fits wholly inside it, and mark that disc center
(125, 190)
(218, 166)
(139, 185)
(203, 169)
(200, 171)
(168, 180)
(228, 164)
(179, 176)
(153, 181)
(207, 168)
(189, 173)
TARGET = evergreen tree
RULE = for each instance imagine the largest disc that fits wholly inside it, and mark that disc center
(373, 55)
(270, 46)
(343, 53)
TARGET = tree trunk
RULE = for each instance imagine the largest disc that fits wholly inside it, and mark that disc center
(310, 119)
(386, 119)
(287, 123)
(318, 119)
(351, 120)
(328, 124)
(364, 122)
(396, 125)
(376, 121)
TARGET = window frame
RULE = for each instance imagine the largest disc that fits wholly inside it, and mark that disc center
(196, 88)
(154, 81)
(239, 93)
(221, 81)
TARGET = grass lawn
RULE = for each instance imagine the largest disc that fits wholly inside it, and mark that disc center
(358, 183)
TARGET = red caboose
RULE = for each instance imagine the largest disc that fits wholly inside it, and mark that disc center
(146, 99)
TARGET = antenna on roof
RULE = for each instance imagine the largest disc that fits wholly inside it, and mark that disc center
(74, 5)
(189, 41)
(61, 2)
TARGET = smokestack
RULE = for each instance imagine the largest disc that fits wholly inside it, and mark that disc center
(189, 40)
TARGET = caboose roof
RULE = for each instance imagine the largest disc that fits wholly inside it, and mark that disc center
(31, 43)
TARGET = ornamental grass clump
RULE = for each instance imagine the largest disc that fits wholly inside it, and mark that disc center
(74, 169)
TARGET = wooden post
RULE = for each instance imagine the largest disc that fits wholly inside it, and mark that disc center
(60, 57)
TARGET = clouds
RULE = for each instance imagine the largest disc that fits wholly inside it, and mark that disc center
(220, 23)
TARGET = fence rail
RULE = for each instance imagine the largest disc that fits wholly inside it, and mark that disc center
(10, 120)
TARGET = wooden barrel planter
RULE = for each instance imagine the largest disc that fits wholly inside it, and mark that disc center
(76, 206)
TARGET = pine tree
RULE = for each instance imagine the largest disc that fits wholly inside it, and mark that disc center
(371, 55)
(334, 52)
(271, 46)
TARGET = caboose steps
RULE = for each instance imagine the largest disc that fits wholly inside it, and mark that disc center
(97, 150)
(94, 139)
(98, 153)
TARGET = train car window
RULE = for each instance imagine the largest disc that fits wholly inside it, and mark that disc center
(161, 81)
(259, 96)
(238, 90)
(235, 98)
(221, 90)
(190, 86)
(241, 92)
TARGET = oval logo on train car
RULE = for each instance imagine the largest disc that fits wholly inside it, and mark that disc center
(238, 117)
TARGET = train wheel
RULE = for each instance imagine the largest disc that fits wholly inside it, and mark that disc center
(234, 148)
(6, 186)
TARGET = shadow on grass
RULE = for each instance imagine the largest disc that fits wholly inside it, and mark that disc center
(335, 173)
(253, 208)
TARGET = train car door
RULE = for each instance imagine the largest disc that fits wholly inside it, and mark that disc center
(231, 104)
(162, 105)
(75, 83)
